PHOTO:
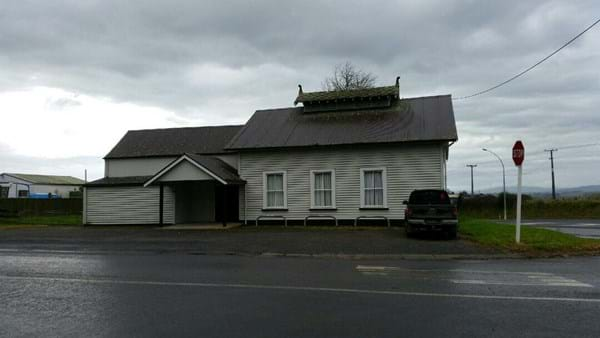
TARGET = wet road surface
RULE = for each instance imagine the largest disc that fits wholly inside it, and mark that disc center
(586, 228)
(147, 294)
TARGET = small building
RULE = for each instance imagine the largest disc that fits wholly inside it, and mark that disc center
(13, 185)
(345, 155)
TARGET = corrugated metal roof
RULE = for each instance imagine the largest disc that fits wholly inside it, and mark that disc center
(348, 94)
(415, 119)
(47, 179)
(218, 167)
(114, 181)
(173, 141)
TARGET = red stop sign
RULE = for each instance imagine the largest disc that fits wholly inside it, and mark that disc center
(518, 153)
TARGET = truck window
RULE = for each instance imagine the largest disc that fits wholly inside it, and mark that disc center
(429, 197)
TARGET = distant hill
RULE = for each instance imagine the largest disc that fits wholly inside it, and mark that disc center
(533, 190)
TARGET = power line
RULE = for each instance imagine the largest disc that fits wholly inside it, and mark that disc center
(577, 146)
(540, 152)
(530, 68)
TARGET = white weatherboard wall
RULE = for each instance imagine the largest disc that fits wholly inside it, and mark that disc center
(135, 166)
(185, 171)
(408, 166)
(128, 205)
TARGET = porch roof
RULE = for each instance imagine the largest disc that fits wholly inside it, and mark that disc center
(209, 165)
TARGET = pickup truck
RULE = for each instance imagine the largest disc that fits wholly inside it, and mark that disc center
(430, 210)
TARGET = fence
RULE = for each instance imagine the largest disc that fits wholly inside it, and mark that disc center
(490, 206)
(35, 207)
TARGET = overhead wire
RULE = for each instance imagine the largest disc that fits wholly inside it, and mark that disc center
(530, 67)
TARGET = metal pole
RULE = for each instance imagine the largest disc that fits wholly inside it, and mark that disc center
(161, 193)
(504, 189)
(472, 188)
(551, 151)
(519, 182)
(503, 178)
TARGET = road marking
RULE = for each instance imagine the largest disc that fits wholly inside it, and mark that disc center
(533, 278)
(394, 268)
(300, 288)
(554, 283)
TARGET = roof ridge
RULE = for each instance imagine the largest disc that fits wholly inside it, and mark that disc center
(424, 97)
(300, 107)
(196, 127)
(350, 90)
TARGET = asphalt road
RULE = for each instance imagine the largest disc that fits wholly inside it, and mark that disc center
(587, 228)
(144, 294)
(245, 241)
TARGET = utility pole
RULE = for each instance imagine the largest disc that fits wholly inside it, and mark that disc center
(551, 151)
(503, 178)
(472, 166)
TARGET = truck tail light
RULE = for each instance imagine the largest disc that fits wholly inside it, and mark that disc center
(408, 212)
(455, 212)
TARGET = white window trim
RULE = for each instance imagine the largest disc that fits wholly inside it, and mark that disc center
(265, 173)
(312, 189)
(362, 188)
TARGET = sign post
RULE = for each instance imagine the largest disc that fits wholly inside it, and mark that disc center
(518, 155)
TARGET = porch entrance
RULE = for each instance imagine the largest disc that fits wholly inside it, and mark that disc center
(205, 202)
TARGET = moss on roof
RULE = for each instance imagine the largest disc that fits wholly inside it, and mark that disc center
(348, 94)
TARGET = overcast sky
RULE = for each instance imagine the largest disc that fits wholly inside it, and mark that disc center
(76, 75)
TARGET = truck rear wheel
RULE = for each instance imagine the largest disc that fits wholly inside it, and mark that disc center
(409, 231)
(452, 234)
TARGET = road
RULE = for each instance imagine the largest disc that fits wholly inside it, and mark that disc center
(586, 228)
(149, 294)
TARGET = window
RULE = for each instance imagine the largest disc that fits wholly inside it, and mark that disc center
(373, 192)
(322, 183)
(274, 190)
(4, 192)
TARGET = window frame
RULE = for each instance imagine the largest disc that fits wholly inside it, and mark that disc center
(383, 183)
(312, 190)
(265, 192)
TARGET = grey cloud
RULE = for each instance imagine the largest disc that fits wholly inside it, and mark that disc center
(217, 62)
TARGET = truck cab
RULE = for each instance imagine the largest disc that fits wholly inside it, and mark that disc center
(430, 210)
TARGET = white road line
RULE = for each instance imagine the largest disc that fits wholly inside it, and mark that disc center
(301, 288)
(540, 278)
(393, 268)
(554, 283)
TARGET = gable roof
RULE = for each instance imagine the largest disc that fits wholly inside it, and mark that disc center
(212, 166)
(387, 91)
(119, 181)
(47, 179)
(407, 120)
(173, 141)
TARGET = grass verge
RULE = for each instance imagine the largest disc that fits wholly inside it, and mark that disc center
(534, 241)
(41, 220)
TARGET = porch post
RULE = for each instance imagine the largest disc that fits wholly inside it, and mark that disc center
(224, 216)
(160, 203)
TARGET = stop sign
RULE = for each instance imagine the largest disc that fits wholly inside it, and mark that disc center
(518, 153)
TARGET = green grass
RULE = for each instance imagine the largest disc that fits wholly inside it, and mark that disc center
(41, 220)
(534, 241)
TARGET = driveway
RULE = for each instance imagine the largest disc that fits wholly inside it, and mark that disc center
(244, 240)
(586, 228)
